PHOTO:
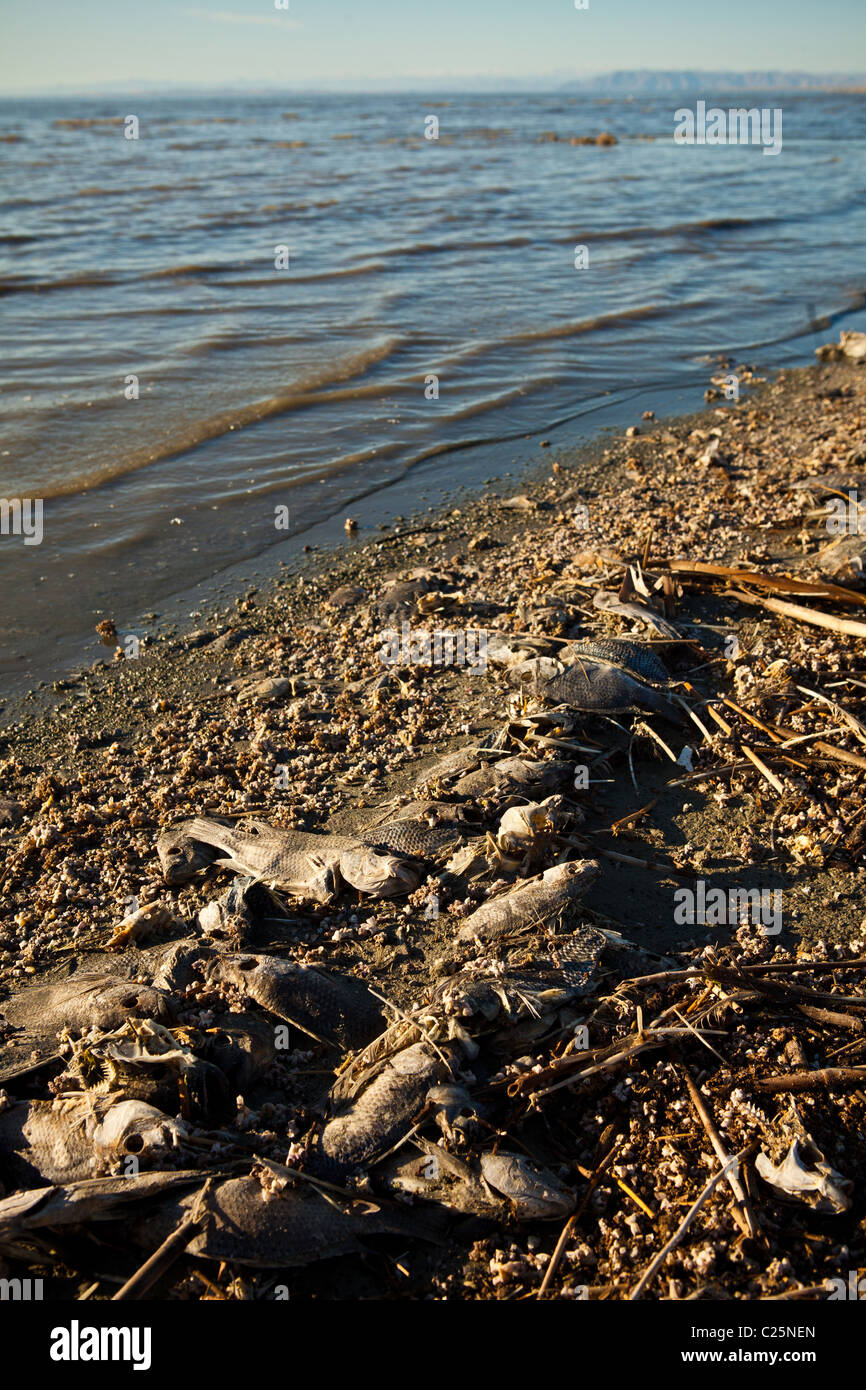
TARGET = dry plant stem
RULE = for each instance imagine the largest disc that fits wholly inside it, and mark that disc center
(764, 770)
(652, 1037)
(165, 1255)
(840, 755)
(779, 582)
(633, 816)
(751, 719)
(854, 724)
(723, 724)
(627, 858)
(568, 1228)
(849, 626)
(642, 728)
(769, 967)
(742, 1210)
(834, 1078)
(683, 1227)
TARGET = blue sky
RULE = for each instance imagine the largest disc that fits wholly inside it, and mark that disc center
(108, 43)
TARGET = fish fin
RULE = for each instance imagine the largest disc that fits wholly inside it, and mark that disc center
(209, 832)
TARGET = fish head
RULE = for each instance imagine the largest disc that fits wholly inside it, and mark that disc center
(133, 1127)
(181, 857)
(534, 673)
(577, 873)
(380, 875)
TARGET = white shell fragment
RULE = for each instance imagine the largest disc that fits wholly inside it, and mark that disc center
(805, 1175)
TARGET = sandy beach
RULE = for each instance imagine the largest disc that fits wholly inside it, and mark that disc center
(721, 801)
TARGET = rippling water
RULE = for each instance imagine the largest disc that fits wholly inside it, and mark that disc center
(408, 258)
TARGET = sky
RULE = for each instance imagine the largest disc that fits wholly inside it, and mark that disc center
(106, 44)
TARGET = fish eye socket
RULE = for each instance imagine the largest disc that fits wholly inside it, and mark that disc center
(133, 1144)
(247, 964)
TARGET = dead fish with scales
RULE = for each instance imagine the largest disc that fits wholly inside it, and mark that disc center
(332, 1008)
(300, 862)
(75, 1005)
(382, 1112)
(546, 899)
(604, 677)
(71, 1137)
(270, 1220)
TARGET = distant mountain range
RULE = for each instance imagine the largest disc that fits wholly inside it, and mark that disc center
(644, 82)
(641, 82)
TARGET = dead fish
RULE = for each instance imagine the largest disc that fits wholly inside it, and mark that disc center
(516, 775)
(523, 828)
(141, 1049)
(535, 1193)
(175, 966)
(447, 769)
(139, 924)
(298, 861)
(346, 596)
(331, 1008)
(24, 1216)
(501, 654)
(545, 899)
(278, 1227)
(434, 1175)
(533, 988)
(85, 1000)
(230, 922)
(378, 873)
(182, 858)
(242, 1046)
(805, 1175)
(591, 685)
(260, 691)
(635, 657)
(67, 1139)
(380, 1115)
(502, 1187)
(400, 599)
(454, 1111)
(851, 344)
(415, 838)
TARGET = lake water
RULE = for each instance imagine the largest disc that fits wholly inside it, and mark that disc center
(171, 377)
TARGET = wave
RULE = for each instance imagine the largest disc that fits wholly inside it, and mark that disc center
(181, 441)
(188, 271)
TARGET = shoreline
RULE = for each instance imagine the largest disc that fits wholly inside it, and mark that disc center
(463, 469)
(281, 707)
(108, 704)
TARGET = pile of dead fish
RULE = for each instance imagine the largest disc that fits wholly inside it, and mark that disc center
(115, 1109)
